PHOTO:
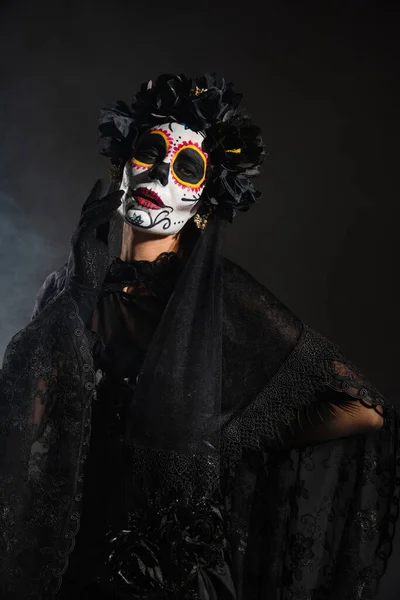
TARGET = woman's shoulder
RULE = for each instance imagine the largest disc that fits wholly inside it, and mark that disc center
(237, 278)
(52, 286)
(247, 297)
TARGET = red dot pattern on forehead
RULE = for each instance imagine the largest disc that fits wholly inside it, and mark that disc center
(175, 143)
(180, 145)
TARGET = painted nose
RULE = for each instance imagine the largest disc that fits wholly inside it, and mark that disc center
(160, 172)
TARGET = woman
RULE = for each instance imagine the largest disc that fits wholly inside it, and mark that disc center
(170, 429)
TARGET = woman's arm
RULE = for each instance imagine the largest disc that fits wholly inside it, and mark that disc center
(349, 405)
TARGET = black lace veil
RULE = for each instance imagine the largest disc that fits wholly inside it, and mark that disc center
(177, 405)
(180, 380)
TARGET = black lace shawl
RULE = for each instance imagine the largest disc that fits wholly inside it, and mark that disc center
(315, 521)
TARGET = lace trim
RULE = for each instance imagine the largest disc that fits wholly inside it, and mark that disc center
(42, 401)
(155, 276)
(164, 471)
(314, 364)
(308, 369)
(353, 383)
(72, 524)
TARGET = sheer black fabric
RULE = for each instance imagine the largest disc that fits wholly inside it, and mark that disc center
(47, 382)
(289, 519)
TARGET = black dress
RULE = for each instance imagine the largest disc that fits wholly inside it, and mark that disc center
(309, 514)
(125, 323)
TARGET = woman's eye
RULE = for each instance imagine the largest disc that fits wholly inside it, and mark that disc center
(187, 171)
(149, 153)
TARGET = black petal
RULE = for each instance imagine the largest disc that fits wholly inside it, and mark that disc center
(213, 110)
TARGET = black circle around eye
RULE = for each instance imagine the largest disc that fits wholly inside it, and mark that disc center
(189, 166)
(151, 148)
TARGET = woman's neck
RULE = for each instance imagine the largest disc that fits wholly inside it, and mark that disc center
(141, 245)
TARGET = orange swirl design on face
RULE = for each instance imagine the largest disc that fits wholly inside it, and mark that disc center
(194, 146)
(168, 142)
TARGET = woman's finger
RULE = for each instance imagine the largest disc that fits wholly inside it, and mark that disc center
(99, 217)
(102, 232)
(102, 207)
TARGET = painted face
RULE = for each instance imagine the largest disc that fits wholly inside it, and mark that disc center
(164, 180)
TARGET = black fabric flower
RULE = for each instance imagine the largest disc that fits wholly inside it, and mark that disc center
(158, 277)
(194, 537)
(207, 104)
(117, 132)
(164, 549)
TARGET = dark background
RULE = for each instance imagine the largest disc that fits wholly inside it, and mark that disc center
(321, 80)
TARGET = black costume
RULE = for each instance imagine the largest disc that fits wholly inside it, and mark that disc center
(176, 423)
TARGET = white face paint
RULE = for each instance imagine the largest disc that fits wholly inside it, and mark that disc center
(164, 180)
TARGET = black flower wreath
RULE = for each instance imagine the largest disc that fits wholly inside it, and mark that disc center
(233, 143)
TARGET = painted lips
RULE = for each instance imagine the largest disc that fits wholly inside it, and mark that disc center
(147, 198)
